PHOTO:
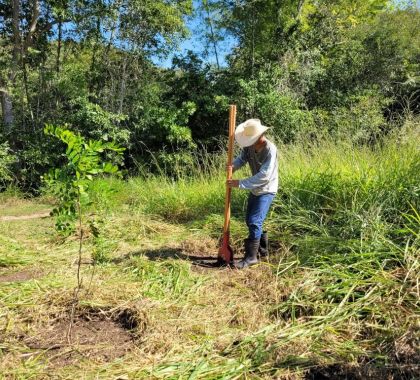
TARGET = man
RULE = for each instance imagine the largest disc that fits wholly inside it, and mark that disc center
(261, 155)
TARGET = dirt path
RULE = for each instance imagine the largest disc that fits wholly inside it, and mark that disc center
(23, 275)
(43, 214)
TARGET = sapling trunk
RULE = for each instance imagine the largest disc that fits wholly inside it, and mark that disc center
(75, 301)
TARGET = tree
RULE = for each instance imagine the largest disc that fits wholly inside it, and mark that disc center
(71, 183)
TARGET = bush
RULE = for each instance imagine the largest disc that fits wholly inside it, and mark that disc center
(7, 158)
(362, 121)
(268, 99)
(95, 122)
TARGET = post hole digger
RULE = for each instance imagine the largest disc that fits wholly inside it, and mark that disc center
(225, 256)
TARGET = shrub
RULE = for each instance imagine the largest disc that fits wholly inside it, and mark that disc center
(7, 158)
(270, 100)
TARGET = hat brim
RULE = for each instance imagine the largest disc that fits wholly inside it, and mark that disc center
(245, 141)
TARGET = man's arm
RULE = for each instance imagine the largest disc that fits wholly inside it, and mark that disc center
(239, 161)
(263, 176)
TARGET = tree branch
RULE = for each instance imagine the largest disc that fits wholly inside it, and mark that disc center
(32, 25)
(16, 32)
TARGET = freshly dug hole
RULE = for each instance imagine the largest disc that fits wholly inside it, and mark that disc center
(100, 335)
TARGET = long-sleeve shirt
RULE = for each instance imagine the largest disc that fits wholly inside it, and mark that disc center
(264, 169)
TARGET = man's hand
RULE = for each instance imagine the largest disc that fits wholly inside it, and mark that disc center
(232, 183)
(230, 167)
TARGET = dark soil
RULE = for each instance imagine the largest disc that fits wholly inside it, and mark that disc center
(365, 372)
(100, 337)
(23, 275)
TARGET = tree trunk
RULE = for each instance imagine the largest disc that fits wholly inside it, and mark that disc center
(7, 110)
(25, 82)
(20, 47)
(6, 100)
(17, 43)
(93, 70)
(122, 87)
(60, 33)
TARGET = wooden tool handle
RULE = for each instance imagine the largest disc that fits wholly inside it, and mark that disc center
(232, 123)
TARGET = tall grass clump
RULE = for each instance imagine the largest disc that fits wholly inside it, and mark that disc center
(343, 192)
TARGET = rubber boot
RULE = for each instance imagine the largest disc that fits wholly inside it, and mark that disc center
(251, 253)
(263, 249)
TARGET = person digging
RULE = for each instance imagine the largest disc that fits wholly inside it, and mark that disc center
(261, 155)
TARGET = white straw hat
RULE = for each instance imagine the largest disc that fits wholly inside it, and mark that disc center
(247, 133)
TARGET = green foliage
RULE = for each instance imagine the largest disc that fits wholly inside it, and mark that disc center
(162, 24)
(360, 121)
(97, 123)
(167, 127)
(71, 82)
(193, 79)
(7, 158)
(167, 137)
(335, 61)
(70, 184)
(349, 70)
(277, 109)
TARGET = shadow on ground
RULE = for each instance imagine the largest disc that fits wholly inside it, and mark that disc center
(197, 258)
(165, 253)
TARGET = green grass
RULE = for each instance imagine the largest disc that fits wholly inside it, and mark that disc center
(340, 289)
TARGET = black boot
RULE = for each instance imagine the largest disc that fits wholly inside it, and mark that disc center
(263, 249)
(251, 252)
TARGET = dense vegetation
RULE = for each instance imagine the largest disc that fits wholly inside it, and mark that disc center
(347, 69)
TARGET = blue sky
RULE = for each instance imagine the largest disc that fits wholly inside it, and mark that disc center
(195, 43)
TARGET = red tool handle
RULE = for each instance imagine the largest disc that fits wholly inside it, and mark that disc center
(232, 123)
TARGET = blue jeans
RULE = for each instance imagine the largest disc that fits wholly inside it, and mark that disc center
(256, 211)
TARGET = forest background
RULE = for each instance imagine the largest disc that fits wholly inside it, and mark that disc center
(310, 69)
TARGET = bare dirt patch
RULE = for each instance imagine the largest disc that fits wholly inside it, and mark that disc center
(96, 335)
(24, 275)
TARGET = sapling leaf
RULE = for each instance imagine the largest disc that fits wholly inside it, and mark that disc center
(71, 183)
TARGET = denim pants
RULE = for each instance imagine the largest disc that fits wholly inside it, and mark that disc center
(257, 209)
